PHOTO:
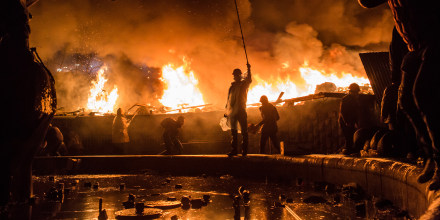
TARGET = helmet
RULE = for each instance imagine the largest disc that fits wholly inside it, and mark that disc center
(236, 72)
(264, 98)
(354, 87)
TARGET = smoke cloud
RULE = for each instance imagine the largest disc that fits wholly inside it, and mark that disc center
(135, 38)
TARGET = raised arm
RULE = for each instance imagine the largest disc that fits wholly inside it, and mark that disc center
(248, 78)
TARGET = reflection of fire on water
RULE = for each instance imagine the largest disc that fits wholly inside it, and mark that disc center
(99, 100)
(181, 88)
(312, 78)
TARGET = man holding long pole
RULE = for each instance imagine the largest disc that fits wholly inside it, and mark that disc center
(236, 105)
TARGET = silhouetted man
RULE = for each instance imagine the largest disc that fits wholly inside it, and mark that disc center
(236, 109)
(54, 143)
(269, 130)
(349, 117)
(119, 133)
(171, 135)
(417, 23)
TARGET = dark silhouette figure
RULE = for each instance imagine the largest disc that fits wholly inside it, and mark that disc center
(236, 109)
(54, 143)
(417, 23)
(28, 102)
(120, 136)
(269, 130)
(171, 135)
(349, 112)
(73, 143)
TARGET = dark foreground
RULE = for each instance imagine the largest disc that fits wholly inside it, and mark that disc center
(268, 199)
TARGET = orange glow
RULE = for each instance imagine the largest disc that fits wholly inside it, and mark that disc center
(271, 89)
(315, 77)
(312, 78)
(99, 100)
(181, 87)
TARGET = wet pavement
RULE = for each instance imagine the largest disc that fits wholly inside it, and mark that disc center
(268, 199)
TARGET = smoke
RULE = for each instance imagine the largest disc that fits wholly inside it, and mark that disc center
(137, 36)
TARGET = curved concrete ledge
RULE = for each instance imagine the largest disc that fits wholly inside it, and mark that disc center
(393, 180)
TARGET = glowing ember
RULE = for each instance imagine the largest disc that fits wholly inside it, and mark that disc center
(312, 78)
(99, 100)
(181, 88)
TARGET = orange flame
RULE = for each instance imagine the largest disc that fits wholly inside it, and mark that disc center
(315, 77)
(181, 87)
(99, 100)
(311, 76)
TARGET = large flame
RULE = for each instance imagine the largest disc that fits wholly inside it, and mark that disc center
(271, 89)
(181, 87)
(315, 77)
(99, 100)
(312, 78)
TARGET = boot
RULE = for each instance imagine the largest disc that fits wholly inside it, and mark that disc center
(435, 181)
(427, 172)
(244, 145)
(234, 143)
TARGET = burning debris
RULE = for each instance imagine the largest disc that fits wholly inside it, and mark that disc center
(99, 99)
(144, 55)
(181, 92)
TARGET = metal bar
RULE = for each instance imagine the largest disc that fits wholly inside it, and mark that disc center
(241, 31)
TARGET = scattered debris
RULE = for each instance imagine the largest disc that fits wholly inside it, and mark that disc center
(148, 213)
(185, 201)
(197, 203)
(102, 212)
(163, 204)
(139, 207)
(130, 202)
(206, 198)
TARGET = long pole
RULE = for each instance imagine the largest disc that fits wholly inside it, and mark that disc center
(241, 30)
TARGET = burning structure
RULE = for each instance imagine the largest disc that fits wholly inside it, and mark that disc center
(291, 56)
(154, 63)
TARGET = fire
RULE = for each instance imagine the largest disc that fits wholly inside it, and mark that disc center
(181, 87)
(99, 100)
(312, 78)
(272, 90)
(315, 77)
